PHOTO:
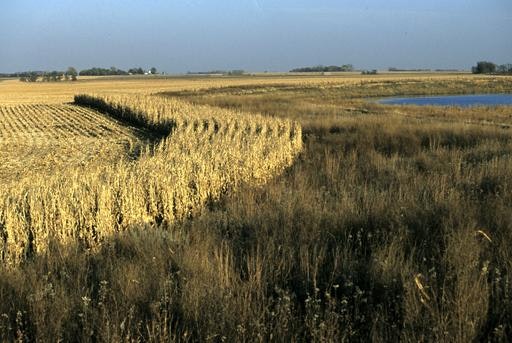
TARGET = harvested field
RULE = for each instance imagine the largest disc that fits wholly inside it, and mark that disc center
(44, 139)
(15, 92)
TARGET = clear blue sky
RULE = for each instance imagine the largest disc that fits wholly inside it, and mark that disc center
(255, 35)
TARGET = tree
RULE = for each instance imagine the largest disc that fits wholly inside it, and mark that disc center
(56, 76)
(321, 68)
(32, 76)
(484, 67)
(504, 68)
(71, 73)
(102, 72)
(153, 70)
(135, 71)
(236, 72)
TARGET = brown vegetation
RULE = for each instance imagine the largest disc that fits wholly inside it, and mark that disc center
(209, 152)
(394, 223)
(44, 139)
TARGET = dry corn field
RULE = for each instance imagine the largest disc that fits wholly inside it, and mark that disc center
(41, 139)
(77, 176)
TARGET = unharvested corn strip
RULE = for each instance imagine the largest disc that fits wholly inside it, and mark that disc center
(167, 184)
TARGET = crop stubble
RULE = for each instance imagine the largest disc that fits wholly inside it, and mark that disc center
(38, 139)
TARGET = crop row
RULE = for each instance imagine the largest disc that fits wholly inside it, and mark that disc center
(45, 122)
(207, 153)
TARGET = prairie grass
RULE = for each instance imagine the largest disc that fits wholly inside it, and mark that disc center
(393, 223)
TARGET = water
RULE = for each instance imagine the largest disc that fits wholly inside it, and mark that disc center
(453, 100)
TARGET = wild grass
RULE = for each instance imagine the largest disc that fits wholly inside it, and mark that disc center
(394, 223)
(360, 88)
(321, 106)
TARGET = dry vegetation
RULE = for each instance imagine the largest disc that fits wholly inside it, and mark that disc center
(394, 223)
(15, 92)
(208, 152)
(43, 139)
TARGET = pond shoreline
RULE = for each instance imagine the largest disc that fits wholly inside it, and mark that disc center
(465, 100)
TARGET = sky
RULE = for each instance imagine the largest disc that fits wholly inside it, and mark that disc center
(177, 36)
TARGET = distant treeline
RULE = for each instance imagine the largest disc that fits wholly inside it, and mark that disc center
(102, 72)
(20, 74)
(392, 69)
(321, 68)
(47, 76)
(405, 70)
(218, 72)
(71, 74)
(115, 71)
(486, 67)
(31, 76)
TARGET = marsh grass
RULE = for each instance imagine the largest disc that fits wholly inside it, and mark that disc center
(373, 234)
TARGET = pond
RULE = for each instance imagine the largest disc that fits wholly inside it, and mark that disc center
(452, 100)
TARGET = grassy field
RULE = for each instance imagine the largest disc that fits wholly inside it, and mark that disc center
(382, 223)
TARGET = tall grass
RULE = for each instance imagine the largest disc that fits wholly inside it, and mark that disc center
(392, 224)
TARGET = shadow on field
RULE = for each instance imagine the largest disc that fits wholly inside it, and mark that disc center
(147, 138)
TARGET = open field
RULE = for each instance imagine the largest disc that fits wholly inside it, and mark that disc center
(14, 92)
(278, 209)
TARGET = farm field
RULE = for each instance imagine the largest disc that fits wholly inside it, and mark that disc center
(43, 139)
(264, 208)
(201, 153)
(14, 92)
